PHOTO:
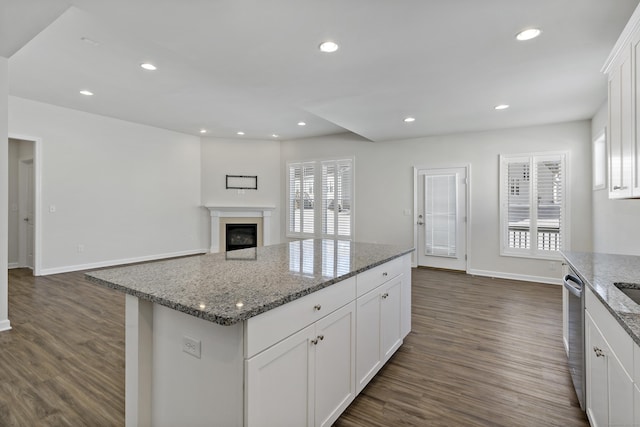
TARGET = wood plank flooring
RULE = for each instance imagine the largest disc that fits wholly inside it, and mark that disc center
(483, 352)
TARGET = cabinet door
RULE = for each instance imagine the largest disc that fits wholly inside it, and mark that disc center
(368, 338)
(596, 370)
(620, 129)
(279, 384)
(636, 406)
(391, 317)
(620, 393)
(335, 380)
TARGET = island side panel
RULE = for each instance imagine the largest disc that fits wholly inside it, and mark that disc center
(192, 391)
(406, 295)
(138, 347)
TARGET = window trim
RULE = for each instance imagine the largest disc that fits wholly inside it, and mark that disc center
(565, 234)
(317, 207)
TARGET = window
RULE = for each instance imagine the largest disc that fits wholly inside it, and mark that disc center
(320, 199)
(533, 198)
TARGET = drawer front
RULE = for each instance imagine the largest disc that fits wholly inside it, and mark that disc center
(617, 338)
(371, 279)
(268, 328)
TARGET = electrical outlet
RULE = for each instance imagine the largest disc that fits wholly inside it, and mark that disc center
(240, 191)
(191, 346)
(80, 248)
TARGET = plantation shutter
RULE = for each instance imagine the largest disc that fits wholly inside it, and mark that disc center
(301, 198)
(519, 203)
(549, 192)
(533, 196)
(337, 199)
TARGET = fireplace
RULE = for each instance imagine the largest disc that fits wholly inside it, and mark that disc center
(221, 216)
(240, 236)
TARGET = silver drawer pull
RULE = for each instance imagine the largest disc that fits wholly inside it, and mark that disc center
(317, 307)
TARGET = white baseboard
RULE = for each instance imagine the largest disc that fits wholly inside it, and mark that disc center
(13, 265)
(512, 276)
(5, 325)
(114, 262)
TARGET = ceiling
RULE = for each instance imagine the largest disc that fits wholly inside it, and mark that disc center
(254, 65)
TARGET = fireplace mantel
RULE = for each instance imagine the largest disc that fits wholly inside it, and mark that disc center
(218, 212)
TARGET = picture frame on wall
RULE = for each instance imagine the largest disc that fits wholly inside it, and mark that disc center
(242, 182)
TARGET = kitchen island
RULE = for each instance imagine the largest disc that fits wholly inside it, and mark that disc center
(280, 335)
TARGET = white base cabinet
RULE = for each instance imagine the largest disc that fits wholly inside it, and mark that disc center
(306, 379)
(609, 367)
(379, 329)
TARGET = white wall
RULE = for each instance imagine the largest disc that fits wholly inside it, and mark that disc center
(221, 157)
(384, 186)
(4, 193)
(616, 228)
(123, 191)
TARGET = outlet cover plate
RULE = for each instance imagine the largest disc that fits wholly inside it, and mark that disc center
(191, 346)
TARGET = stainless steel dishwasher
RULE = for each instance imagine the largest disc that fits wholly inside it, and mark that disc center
(576, 334)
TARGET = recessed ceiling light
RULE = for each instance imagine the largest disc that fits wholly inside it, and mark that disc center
(501, 107)
(328, 47)
(203, 131)
(274, 135)
(409, 119)
(148, 66)
(86, 92)
(528, 34)
(302, 124)
(240, 132)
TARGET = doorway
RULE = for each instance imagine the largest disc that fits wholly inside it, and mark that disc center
(441, 213)
(24, 191)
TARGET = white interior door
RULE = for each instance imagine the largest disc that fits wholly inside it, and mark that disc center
(26, 202)
(442, 215)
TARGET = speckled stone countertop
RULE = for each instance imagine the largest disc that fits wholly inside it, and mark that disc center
(227, 288)
(600, 272)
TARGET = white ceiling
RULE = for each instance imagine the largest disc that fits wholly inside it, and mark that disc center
(254, 66)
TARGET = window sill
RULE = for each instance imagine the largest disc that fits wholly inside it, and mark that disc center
(556, 256)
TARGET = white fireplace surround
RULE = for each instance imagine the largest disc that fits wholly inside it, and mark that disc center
(218, 212)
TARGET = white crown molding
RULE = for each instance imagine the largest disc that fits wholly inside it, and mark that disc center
(623, 40)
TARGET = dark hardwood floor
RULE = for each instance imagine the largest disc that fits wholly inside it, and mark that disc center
(483, 352)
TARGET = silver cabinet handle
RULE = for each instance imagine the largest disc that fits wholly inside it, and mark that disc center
(598, 352)
(385, 295)
(385, 274)
(320, 337)
(317, 307)
(314, 342)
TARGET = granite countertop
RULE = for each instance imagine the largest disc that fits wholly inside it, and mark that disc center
(600, 272)
(227, 288)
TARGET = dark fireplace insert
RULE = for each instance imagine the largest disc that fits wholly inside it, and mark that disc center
(240, 236)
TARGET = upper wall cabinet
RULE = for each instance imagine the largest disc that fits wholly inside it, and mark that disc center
(623, 70)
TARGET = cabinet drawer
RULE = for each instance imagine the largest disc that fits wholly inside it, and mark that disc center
(618, 339)
(371, 279)
(268, 328)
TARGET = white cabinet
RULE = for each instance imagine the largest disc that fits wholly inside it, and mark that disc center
(306, 379)
(623, 136)
(609, 366)
(379, 328)
(621, 139)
